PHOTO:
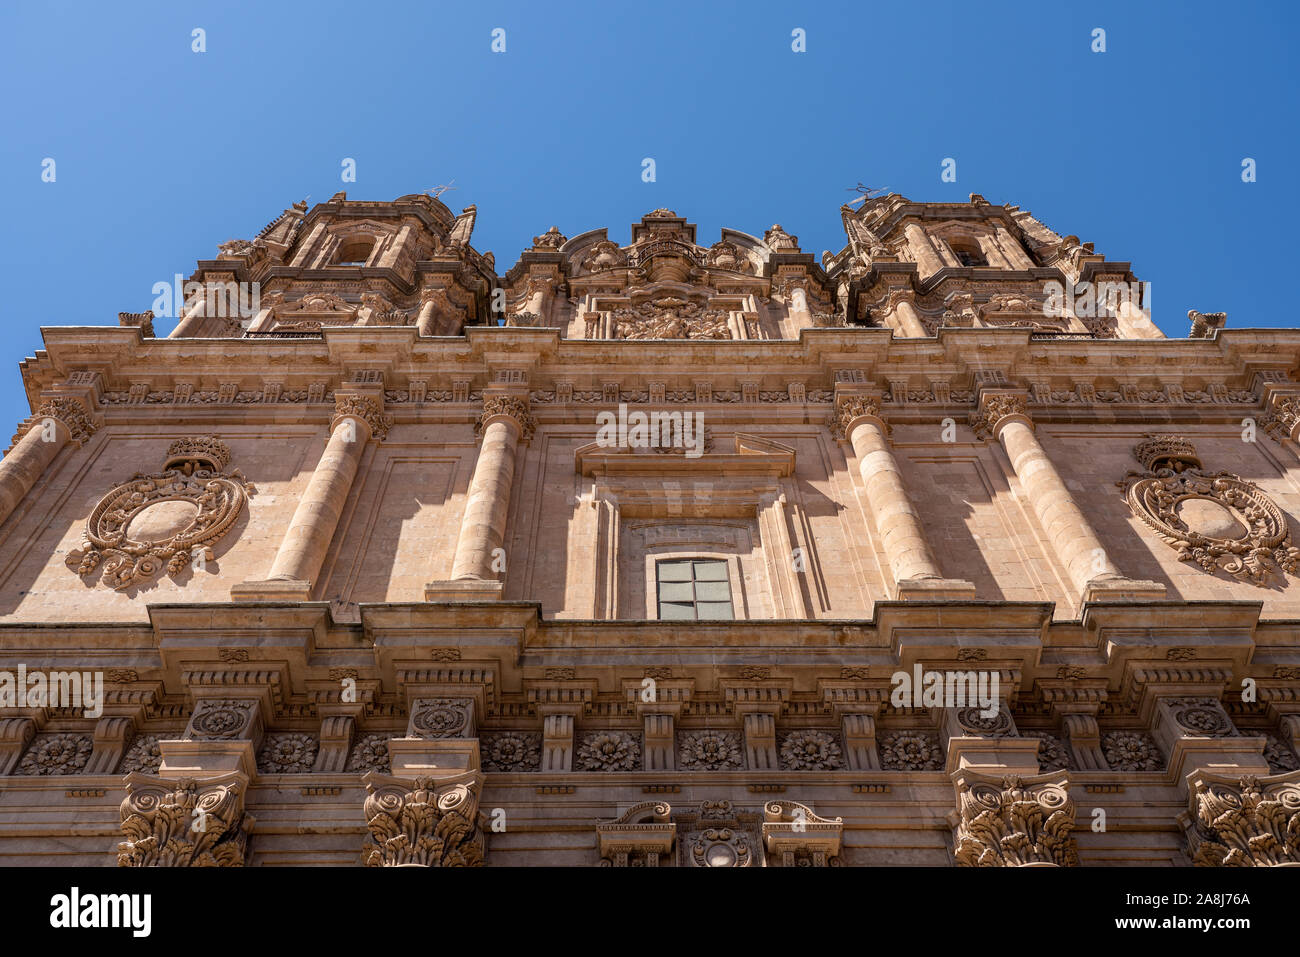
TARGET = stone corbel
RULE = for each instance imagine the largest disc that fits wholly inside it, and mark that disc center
(16, 734)
(559, 703)
(857, 706)
(1076, 703)
(112, 735)
(337, 728)
(659, 714)
(185, 822)
(758, 705)
(1013, 821)
(794, 836)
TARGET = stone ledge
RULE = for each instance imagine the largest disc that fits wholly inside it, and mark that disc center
(935, 589)
(1122, 589)
(464, 589)
(272, 590)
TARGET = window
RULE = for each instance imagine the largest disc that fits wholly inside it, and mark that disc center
(354, 252)
(968, 255)
(694, 589)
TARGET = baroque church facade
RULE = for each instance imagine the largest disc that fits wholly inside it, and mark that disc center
(665, 552)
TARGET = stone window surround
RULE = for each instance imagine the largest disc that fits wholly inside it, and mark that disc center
(678, 551)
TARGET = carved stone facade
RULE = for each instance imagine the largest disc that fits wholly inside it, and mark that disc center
(454, 608)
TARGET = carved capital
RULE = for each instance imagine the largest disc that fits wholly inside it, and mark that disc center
(184, 823)
(514, 407)
(1283, 416)
(422, 822)
(995, 409)
(69, 411)
(1243, 821)
(850, 408)
(1014, 821)
(365, 409)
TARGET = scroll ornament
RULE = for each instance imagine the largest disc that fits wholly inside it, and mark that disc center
(1219, 521)
(123, 531)
(422, 822)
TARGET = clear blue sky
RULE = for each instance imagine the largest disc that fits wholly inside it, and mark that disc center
(163, 153)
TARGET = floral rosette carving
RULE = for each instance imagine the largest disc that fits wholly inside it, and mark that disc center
(710, 751)
(143, 755)
(287, 754)
(1131, 751)
(440, 718)
(1280, 758)
(1219, 521)
(609, 751)
(1202, 718)
(910, 751)
(1052, 755)
(810, 751)
(370, 753)
(57, 754)
(995, 726)
(511, 751)
(192, 475)
(220, 719)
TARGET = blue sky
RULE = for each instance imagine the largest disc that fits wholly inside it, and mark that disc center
(162, 153)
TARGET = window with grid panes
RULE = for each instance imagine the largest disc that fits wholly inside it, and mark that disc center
(694, 589)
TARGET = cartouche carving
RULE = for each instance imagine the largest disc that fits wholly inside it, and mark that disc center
(194, 474)
(1219, 521)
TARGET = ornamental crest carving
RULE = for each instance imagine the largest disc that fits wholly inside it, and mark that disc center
(1219, 521)
(170, 518)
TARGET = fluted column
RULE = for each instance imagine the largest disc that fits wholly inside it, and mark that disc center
(53, 425)
(923, 249)
(916, 573)
(505, 420)
(1005, 416)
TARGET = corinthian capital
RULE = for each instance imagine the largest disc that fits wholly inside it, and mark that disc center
(848, 409)
(1014, 821)
(1243, 821)
(1282, 417)
(423, 822)
(515, 407)
(363, 408)
(997, 407)
(184, 823)
(70, 411)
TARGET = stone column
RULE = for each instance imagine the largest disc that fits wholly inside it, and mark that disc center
(302, 551)
(916, 573)
(55, 423)
(433, 306)
(191, 324)
(1005, 416)
(909, 320)
(926, 258)
(505, 420)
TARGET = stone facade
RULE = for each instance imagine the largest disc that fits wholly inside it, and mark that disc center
(615, 558)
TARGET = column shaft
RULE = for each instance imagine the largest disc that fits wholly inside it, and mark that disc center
(1071, 535)
(909, 320)
(483, 527)
(923, 249)
(896, 520)
(303, 550)
(25, 462)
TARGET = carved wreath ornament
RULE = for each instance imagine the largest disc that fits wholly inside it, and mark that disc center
(135, 529)
(1218, 521)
